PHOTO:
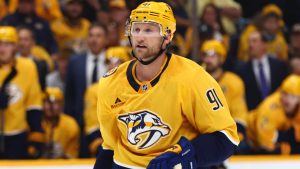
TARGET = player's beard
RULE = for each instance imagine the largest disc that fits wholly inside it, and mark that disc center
(147, 53)
(211, 68)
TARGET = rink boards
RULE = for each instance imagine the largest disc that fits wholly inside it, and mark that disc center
(242, 162)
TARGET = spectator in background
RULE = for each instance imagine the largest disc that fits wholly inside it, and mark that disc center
(85, 69)
(213, 55)
(113, 35)
(294, 49)
(274, 126)
(289, 8)
(270, 23)
(272, 28)
(119, 14)
(25, 45)
(262, 74)
(295, 39)
(7, 7)
(229, 10)
(71, 31)
(20, 102)
(48, 9)
(25, 16)
(57, 78)
(295, 63)
(211, 17)
(61, 131)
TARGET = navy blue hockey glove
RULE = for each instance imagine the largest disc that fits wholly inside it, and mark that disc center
(179, 156)
(3, 100)
(35, 144)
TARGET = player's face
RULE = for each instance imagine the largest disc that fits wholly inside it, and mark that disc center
(74, 10)
(212, 61)
(272, 24)
(7, 52)
(256, 46)
(295, 65)
(26, 7)
(146, 40)
(290, 103)
(96, 39)
(210, 16)
(25, 42)
(52, 109)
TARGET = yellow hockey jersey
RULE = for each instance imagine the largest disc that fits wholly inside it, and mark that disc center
(265, 121)
(90, 120)
(234, 91)
(90, 109)
(41, 54)
(140, 120)
(24, 94)
(70, 37)
(48, 9)
(7, 8)
(65, 138)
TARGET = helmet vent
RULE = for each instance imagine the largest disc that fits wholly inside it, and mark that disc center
(154, 13)
(166, 17)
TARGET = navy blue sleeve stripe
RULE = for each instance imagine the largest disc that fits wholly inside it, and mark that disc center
(241, 128)
(104, 159)
(94, 135)
(213, 148)
(34, 119)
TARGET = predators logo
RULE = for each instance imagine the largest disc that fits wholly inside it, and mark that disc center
(144, 122)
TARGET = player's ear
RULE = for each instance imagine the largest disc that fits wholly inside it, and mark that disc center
(167, 39)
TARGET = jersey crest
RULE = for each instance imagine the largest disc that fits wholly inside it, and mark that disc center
(144, 122)
(14, 92)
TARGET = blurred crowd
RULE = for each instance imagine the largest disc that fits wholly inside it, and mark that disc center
(53, 52)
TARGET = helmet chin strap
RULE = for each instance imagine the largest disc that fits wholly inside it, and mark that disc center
(153, 58)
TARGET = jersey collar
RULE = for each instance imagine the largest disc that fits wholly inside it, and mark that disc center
(143, 86)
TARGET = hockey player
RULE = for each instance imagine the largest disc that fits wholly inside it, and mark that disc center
(61, 130)
(275, 125)
(213, 54)
(92, 130)
(20, 101)
(161, 110)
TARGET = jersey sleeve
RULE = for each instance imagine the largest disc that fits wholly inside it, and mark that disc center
(72, 149)
(90, 110)
(266, 130)
(206, 108)
(237, 104)
(106, 118)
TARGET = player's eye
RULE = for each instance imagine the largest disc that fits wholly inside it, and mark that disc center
(148, 30)
(136, 30)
